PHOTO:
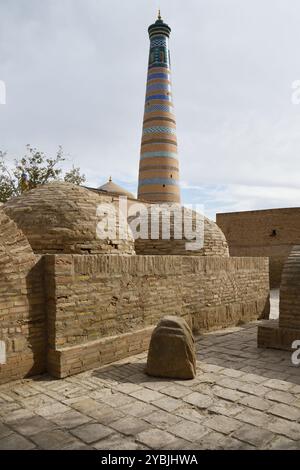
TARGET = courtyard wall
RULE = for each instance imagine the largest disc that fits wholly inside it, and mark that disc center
(101, 308)
(270, 233)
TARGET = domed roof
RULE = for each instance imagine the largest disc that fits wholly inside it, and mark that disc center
(64, 218)
(113, 188)
(209, 240)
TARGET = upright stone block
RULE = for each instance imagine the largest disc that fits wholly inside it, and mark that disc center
(172, 350)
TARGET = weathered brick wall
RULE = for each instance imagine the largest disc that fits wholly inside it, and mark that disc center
(251, 233)
(98, 300)
(22, 314)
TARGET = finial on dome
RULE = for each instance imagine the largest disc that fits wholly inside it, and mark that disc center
(159, 15)
(110, 179)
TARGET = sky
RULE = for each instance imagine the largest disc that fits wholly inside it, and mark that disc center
(75, 75)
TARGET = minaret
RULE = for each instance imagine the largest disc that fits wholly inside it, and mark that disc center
(159, 171)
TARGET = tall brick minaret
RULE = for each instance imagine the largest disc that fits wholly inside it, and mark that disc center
(159, 171)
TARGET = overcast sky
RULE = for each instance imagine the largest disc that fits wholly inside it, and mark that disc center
(75, 73)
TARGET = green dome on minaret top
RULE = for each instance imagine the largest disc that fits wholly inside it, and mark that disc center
(159, 28)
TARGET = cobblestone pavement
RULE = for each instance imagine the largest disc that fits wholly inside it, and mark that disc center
(242, 398)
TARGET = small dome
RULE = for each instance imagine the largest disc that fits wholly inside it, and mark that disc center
(209, 237)
(113, 188)
(64, 218)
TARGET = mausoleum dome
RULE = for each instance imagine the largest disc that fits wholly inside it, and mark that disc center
(210, 239)
(112, 188)
(62, 218)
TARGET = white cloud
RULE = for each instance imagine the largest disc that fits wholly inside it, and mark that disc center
(236, 197)
(75, 73)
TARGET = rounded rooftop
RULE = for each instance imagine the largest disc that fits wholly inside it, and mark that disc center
(64, 218)
(112, 188)
(185, 224)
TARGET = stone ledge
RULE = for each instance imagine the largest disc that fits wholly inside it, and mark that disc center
(271, 335)
(79, 358)
(224, 316)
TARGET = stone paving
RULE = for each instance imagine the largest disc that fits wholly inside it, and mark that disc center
(242, 398)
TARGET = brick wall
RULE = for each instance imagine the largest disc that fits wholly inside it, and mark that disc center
(22, 314)
(102, 308)
(251, 233)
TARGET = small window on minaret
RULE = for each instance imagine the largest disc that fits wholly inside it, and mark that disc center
(273, 233)
(164, 185)
(171, 176)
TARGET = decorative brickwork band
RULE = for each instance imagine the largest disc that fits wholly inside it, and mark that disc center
(159, 169)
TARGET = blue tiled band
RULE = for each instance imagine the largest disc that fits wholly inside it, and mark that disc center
(159, 154)
(158, 97)
(159, 130)
(159, 107)
(168, 181)
(159, 86)
(159, 41)
(154, 76)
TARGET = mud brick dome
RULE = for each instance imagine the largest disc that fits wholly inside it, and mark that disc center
(215, 243)
(114, 189)
(213, 240)
(61, 218)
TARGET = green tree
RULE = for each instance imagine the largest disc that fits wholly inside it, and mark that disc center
(33, 170)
